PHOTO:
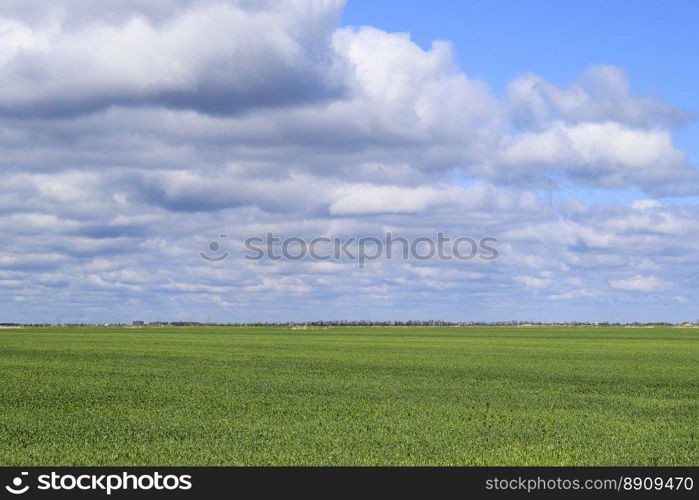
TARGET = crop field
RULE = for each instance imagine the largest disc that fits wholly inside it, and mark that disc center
(349, 396)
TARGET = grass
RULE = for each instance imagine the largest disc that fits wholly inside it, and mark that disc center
(409, 396)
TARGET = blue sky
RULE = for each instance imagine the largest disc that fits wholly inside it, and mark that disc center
(134, 133)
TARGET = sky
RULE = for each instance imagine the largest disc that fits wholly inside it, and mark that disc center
(134, 135)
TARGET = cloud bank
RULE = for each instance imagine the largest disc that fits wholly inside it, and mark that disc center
(133, 133)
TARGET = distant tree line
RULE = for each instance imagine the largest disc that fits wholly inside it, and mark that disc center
(362, 323)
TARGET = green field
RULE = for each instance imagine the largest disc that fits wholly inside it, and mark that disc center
(467, 396)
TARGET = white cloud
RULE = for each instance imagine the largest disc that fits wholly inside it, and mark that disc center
(640, 283)
(410, 91)
(364, 200)
(132, 133)
(533, 281)
(55, 67)
(575, 294)
(645, 204)
(607, 154)
(601, 94)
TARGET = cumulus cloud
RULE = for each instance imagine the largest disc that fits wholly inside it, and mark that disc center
(199, 56)
(601, 94)
(645, 204)
(533, 281)
(133, 133)
(640, 283)
(604, 154)
(364, 199)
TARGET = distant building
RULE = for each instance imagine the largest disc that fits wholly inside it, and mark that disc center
(137, 323)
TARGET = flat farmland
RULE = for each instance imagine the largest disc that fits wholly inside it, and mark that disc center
(349, 396)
